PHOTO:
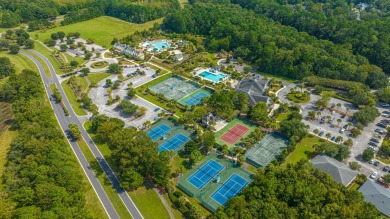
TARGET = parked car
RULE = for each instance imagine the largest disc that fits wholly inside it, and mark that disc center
(379, 131)
(342, 130)
(386, 105)
(373, 175)
(333, 112)
(157, 109)
(386, 168)
(343, 116)
(374, 140)
(386, 112)
(382, 125)
(372, 148)
(376, 163)
(373, 144)
(333, 138)
(321, 133)
(385, 115)
(371, 161)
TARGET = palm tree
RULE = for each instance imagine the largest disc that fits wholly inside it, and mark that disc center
(311, 115)
(302, 85)
(318, 114)
(339, 121)
(339, 139)
(338, 105)
(328, 117)
(350, 124)
(316, 131)
(328, 135)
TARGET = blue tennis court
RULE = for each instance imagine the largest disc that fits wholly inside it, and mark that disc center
(203, 175)
(229, 189)
(158, 131)
(195, 100)
(173, 143)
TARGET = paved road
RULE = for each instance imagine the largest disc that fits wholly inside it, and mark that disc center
(64, 121)
(99, 157)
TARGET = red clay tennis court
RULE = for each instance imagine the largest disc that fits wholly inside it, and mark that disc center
(234, 134)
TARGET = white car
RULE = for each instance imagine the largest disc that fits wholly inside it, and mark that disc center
(373, 175)
(372, 148)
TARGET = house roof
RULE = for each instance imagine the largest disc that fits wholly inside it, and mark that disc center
(255, 88)
(376, 195)
(339, 171)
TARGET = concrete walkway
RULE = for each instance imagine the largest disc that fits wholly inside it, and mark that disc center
(165, 203)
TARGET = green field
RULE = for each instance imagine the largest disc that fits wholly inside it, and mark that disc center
(304, 150)
(76, 105)
(102, 29)
(148, 203)
(48, 54)
(21, 62)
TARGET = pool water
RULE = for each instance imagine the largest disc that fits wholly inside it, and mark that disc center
(215, 77)
(160, 45)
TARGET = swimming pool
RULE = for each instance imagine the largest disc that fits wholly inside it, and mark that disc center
(215, 77)
(160, 45)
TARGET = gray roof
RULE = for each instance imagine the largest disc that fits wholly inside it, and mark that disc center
(255, 88)
(376, 195)
(339, 171)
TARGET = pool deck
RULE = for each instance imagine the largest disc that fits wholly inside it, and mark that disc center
(209, 70)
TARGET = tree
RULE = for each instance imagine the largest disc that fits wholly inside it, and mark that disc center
(194, 157)
(366, 115)
(354, 165)
(127, 107)
(61, 35)
(386, 178)
(339, 121)
(338, 152)
(368, 155)
(259, 112)
(51, 43)
(383, 94)
(189, 147)
(54, 36)
(131, 180)
(328, 135)
(316, 131)
(74, 63)
(339, 138)
(208, 140)
(247, 69)
(85, 71)
(29, 44)
(88, 55)
(311, 115)
(294, 127)
(14, 49)
(115, 68)
(6, 67)
(74, 131)
(131, 92)
(116, 85)
(108, 83)
(63, 47)
(90, 41)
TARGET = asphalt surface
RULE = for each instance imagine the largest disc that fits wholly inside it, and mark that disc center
(72, 118)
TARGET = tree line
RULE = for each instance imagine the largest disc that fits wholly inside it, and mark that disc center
(272, 47)
(41, 178)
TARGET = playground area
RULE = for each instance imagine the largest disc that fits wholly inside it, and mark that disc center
(266, 150)
(233, 132)
(175, 88)
(214, 180)
(168, 135)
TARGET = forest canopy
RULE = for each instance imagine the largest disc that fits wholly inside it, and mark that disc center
(272, 47)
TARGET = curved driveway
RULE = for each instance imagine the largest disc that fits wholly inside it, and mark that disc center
(64, 121)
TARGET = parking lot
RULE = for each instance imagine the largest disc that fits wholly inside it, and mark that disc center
(99, 96)
(332, 126)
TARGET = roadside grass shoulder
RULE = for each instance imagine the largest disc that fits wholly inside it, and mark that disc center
(110, 191)
(48, 54)
(45, 67)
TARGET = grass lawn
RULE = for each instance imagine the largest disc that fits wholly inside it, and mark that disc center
(20, 61)
(102, 29)
(354, 186)
(95, 78)
(149, 204)
(110, 191)
(296, 98)
(236, 121)
(76, 105)
(303, 150)
(103, 148)
(156, 68)
(48, 54)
